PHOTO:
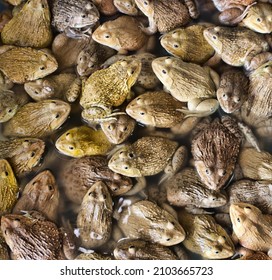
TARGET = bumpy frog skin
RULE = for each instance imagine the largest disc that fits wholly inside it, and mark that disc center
(37, 119)
(74, 18)
(188, 82)
(215, 150)
(108, 88)
(145, 220)
(136, 249)
(23, 153)
(122, 34)
(237, 46)
(8, 187)
(40, 194)
(94, 220)
(251, 227)
(30, 27)
(83, 141)
(31, 64)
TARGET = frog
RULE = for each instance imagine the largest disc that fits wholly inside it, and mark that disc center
(93, 256)
(32, 237)
(186, 189)
(255, 165)
(188, 82)
(238, 46)
(5, 17)
(79, 174)
(40, 194)
(122, 34)
(66, 50)
(94, 220)
(30, 27)
(137, 249)
(188, 43)
(255, 192)
(148, 156)
(105, 7)
(119, 129)
(92, 57)
(145, 220)
(83, 141)
(232, 9)
(76, 19)
(23, 154)
(127, 7)
(31, 64)
(164, 16)
(9, 187)
(65, 86)
(251, 227)
(258, 18)
(10, 102)
(233, 90)
(215, 148)
(246, 254)
(37, 119)
(205, 237)
(108, 88)
(4, 253)
(156, 109)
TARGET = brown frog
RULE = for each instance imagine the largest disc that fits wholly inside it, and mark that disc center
(93, 256)
(31, 64)
(238, 46)
(74, 18)
(215, 150)
(30, 27)
(233, 90)
(40, 194)
(146, 220)
(4, 253)
(119, 129)
(157, 108)
(22, 153)
(78, 175)
(37, 119)
(32, 237)
(205, 237)
(106, 7)
(186, 189)
(9, 188)
(167, 15)
(137, 249)
(127, 7)
(251, 228)
(122, 34)
(94, 220)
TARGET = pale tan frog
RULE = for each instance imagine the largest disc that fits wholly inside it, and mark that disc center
(215, 150)
(205, 237)
(37, 119)
(108, 88)
(40, 194)
(33, 237)
(146, 220)
(94, 220)
(22, 153)
(167, 15)
(122, 34)
(189, 82)
(83, 141)
(251, 227)
(64, 86)
(30, 27)
(156, 108)
(31, 64)
(137, 249)
(238, 46)
(188, 44)
(9, 188)
(127, 7)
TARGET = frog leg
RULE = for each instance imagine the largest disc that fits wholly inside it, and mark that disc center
(69, 247)
(253, 61)
(198, 107)
(178, 161)
(138, 187)
(214, 76)
(269, 253)
(185, 127)
(192, 8)
(74, 90)
(152, 28)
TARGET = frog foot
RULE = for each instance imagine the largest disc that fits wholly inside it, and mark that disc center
(150, 30)
(198, 113)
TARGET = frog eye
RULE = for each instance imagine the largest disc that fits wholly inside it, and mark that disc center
(168, 239)
(131, 71)
(125, 167)
(50, 188)
(164, 71)
(71, 148)
(259, 20)
(175, 46)
(57, 116)
(238, 220)
(142, 113)
(32, 154)
(124, 128)
(221, 172)
(42, 68)
(90, 193)
(104, 196)
(68, 133)
(6, 173)
(208, 171)
(224, 96)
(89, 6)
(214, 37)
(107, 36)
(145, 3)
(131, 155)
(83, 16)
(236, 99)
(131, 250)
(247, 207)
(216, 252)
